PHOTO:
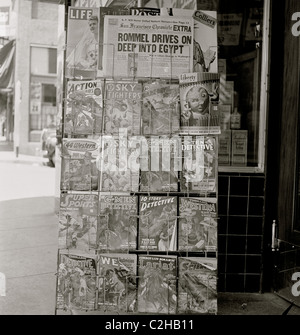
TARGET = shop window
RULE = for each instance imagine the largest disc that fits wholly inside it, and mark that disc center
(243, 44)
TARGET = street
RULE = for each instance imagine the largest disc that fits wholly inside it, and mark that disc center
(28, 235)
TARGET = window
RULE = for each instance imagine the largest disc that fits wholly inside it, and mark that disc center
(43, 60)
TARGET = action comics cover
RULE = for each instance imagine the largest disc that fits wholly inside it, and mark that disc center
(200, 164)
(78, 164)
(118, 164)
(159, 162)
(197, 224)
(82, 43)
(197, 285)
(84, 107)
(117, 227)
(78, 216)
(160, 108)
(117, 285)
(157, 281)
(157, 223)
(199, 98)
(137, 46)
(76, 282)
(122, 103)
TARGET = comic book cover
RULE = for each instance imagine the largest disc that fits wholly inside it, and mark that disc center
(160, 108)
(147, 46)
(76, 282)
(79, 171)
(157, 223)
(78, 216)
(199, 98)
(157, 281)
(200, 164)
(117, 226)
(197, 224)
(117, 284)
(197, 285)
(159, 161)
(123, 100)
(118, 164)
(84, 107)
(115, 10)
(82, 43)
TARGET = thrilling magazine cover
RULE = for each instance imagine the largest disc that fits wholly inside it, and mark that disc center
(84, 107)
(76, 282)
(157, 223)
(82, 43)
(160, 108)
(147, 47)
(117, 282)
(123, 100)
(199, 97)
(159, 164)
(78, 217)
(200, 164)
(118, 164)
(78, 164)
(197, 285)
(157, 291)
(197, 224)
(117, 229)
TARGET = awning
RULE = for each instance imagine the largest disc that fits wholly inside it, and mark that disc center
(7, 65)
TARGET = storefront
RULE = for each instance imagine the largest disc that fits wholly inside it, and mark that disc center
(258, 168)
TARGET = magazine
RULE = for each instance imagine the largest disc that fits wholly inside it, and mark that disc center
(197, 224)
(117, 164)
(200, 164)
(157, 291)
(82, 43)
(117, 282)
(197, 285)
(123, 100)
(76, 282)
(160, 108)
(78, 164)
(199, 98)
(117, 229)
(157, 223)
(78, 216)
(159, 164)
(84, 107)
(147, 46)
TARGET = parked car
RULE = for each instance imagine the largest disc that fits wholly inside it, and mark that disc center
(48, 142)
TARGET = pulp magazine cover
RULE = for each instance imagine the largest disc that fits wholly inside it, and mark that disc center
(82, 43)
(197, 285)
(147, 47)
(78, 164)
(200, 164)
(84, 107)
(160, 108)
(76, 282)
(117, 229)
(78, 217)
(197, 224)
(157, 223)
(118, 164)
(159, 164)
(157, 280)
(117, 282)
(199, 97)
(116, 10)
(123, 100)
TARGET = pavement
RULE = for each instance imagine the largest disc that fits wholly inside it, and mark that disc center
(28, 255)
